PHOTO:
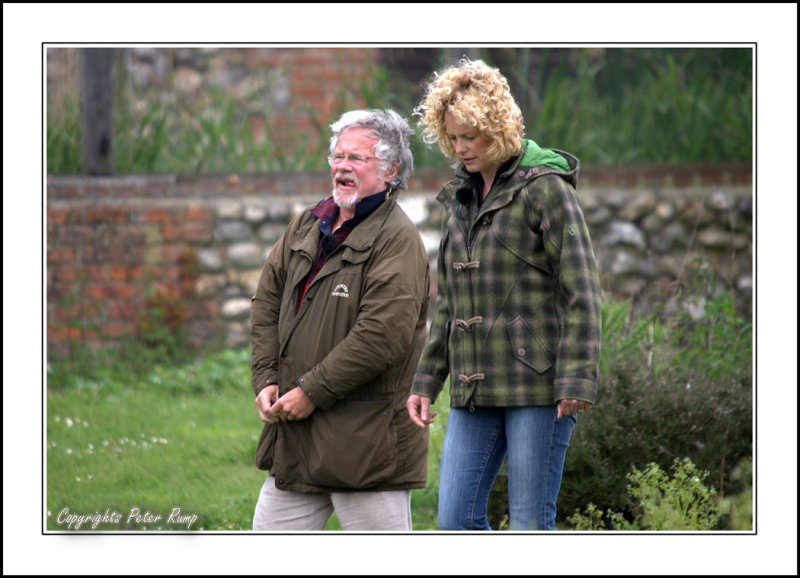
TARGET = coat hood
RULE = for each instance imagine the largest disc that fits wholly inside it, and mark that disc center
(541, 161)
(532, 163)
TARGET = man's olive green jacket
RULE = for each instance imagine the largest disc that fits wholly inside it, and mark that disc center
(352, 347)
(517, 322)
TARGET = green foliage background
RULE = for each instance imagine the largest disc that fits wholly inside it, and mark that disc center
(612, 105)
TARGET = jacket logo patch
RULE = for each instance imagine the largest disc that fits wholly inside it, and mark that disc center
(340, 290)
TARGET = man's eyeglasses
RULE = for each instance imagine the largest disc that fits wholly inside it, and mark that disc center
(355, 160)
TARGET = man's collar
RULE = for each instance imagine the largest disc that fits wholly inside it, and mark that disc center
(327, 210)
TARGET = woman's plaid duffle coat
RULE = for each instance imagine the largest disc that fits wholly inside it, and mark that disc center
(517, 321)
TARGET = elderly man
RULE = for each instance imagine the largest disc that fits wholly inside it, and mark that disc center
(338, 324)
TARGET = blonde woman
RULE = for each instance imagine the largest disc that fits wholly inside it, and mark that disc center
(517, 323)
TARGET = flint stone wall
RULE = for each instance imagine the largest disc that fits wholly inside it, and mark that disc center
(136, 256)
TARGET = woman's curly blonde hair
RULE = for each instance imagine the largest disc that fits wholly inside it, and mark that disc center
(478, 96)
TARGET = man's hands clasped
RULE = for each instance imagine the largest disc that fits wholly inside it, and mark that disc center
(292, 406)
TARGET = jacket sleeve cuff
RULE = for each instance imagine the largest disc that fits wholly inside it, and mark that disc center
(266, 383)
(427, 386)
(259, 382)
(575, 388)
(316, 391)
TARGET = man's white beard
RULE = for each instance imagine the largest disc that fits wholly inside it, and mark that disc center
(344, 202)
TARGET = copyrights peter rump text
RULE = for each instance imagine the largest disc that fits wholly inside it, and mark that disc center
(135, 516)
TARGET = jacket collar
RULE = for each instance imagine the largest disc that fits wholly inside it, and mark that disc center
(361, 238)
(327, 211)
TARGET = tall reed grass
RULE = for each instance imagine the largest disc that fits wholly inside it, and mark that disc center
(614, 106)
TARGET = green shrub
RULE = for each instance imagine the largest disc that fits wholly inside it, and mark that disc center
(681, 502)
(663, 395)
(739, 507)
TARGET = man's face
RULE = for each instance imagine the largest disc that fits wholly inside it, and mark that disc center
(354, 169)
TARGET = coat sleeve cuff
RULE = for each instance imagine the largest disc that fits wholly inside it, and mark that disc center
(316, 392)
(575, 388)
(427, 386)
(266, 383)
(261, 381)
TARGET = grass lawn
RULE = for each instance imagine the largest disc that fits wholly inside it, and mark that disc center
(183, 456)
(156, 443)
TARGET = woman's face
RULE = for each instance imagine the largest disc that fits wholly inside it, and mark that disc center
(470, 146)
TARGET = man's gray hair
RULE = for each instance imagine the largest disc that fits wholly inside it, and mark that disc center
(393, 134)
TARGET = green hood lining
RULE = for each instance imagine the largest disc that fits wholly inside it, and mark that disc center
(534, 156)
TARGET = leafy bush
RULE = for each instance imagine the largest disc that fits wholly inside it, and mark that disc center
(739, 507)
(681, 502)
(664, 394)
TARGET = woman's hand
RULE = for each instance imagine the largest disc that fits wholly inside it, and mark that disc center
(419, 410)
(572, 406)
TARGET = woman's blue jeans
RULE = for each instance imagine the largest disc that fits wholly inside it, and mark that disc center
(475, 446)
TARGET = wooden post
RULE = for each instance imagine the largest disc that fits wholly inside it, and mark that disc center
(96, 99)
